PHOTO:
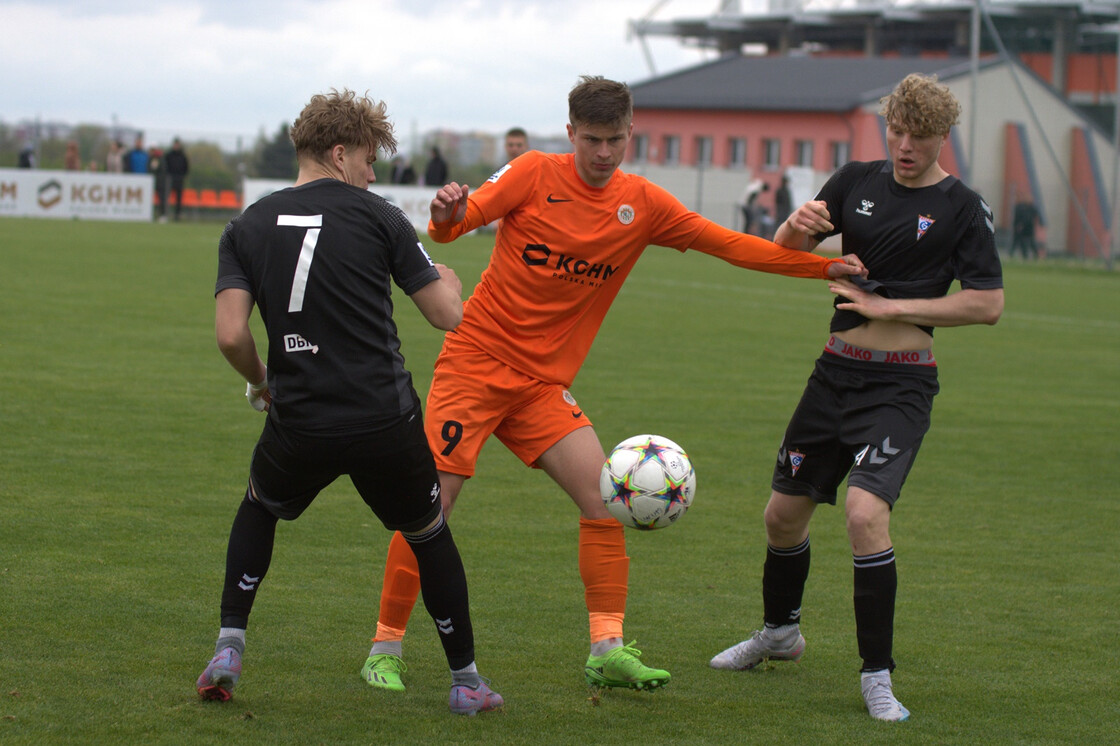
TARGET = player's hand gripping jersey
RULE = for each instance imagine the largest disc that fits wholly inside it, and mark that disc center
(563, 249)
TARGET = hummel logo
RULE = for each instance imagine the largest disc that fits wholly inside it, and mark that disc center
(247, 583)
(554, 200)
(445, 626)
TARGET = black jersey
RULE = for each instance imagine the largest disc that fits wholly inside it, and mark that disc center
(914, 242)
(319, 259)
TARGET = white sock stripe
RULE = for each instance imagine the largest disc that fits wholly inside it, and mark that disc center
(874, 560)
(789, 551)
(420, 538)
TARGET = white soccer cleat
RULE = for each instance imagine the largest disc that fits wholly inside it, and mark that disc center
(880, 699)
(759, 647)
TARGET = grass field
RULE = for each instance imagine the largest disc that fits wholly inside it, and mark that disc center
(124, 445)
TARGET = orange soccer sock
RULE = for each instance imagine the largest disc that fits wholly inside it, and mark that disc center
(605, 570)
(399, 590)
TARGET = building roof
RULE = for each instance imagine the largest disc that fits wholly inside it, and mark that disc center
(784, 83)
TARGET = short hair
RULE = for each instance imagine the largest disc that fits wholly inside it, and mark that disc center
(921, 106)
(596, 100)
(517, 132)
(342, 118)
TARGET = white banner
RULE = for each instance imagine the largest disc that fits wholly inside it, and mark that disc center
(413, 200)
(75, 194)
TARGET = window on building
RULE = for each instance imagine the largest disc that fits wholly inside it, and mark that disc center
(737, 152)
(641, 148)
(672, 150)
(771, 154)
(841, 154)
(703, 151)
(805, 153)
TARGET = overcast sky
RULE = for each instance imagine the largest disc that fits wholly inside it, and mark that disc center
(217, 69)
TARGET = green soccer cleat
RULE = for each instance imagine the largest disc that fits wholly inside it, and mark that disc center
(384, 672)
(621, 667)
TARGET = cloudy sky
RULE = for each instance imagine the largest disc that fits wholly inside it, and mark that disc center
(225, 68)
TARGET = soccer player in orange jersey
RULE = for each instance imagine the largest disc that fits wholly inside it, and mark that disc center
(572, 227)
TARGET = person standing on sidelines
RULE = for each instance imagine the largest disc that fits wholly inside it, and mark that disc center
(318, 260)
(867, 404)
(516, 143)
(573, 226)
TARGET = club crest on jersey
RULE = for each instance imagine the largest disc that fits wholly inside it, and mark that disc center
(571, 400)
(626, 214)
(795, 461)
(924, 222)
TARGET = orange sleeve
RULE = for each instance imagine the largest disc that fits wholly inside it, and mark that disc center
(449, 231)
(752, 252)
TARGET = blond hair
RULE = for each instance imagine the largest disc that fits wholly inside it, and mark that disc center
(921, 106)
(342, 118)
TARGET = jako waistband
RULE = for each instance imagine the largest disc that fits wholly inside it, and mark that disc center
(903, 357)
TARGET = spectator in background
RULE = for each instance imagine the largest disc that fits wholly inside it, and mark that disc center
(114, 159)
(753, 212)
(136, 160)
(783, 201)
(177, 166)
(27, 156)
(158, 169)
(436, 172)
(1023, 224)
(403, 172)
(517, 142)
(72, 161)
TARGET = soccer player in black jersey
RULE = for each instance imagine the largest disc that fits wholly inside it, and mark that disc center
(867, 404)
(318, 260)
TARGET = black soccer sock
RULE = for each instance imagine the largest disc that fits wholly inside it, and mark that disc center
(875, 583)
(783, 583)
(443, 586)
(247, 559)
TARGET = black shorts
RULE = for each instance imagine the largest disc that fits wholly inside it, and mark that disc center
(392, 469)
(867, 418)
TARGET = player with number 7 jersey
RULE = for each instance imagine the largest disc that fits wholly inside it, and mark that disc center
(319, 260)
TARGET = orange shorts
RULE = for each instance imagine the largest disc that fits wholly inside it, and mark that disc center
(473, 395)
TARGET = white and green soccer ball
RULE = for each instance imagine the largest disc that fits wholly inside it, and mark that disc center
(647, 482)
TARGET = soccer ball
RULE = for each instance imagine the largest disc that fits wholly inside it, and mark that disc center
(647, 482)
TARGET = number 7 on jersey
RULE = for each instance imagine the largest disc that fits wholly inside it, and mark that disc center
(313, 223)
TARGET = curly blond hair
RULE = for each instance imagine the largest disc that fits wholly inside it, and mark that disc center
(921, 106)
(342, 118)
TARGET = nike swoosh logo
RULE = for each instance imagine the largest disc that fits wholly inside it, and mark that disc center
(554, 200)
(577, 415)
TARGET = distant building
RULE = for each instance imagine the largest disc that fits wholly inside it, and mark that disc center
(705, 131)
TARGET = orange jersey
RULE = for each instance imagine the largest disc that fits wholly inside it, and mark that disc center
(563, 250)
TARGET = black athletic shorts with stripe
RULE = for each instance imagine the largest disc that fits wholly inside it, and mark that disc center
(866, 418)
(392, 469)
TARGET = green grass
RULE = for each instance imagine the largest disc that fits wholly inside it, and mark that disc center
(125, 440)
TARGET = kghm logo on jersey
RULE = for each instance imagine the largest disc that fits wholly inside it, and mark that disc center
(567, 268)
(296, 343)
(865, 207)
(924, 222)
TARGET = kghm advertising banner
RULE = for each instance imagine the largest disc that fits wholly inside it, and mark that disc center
(75, 194)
